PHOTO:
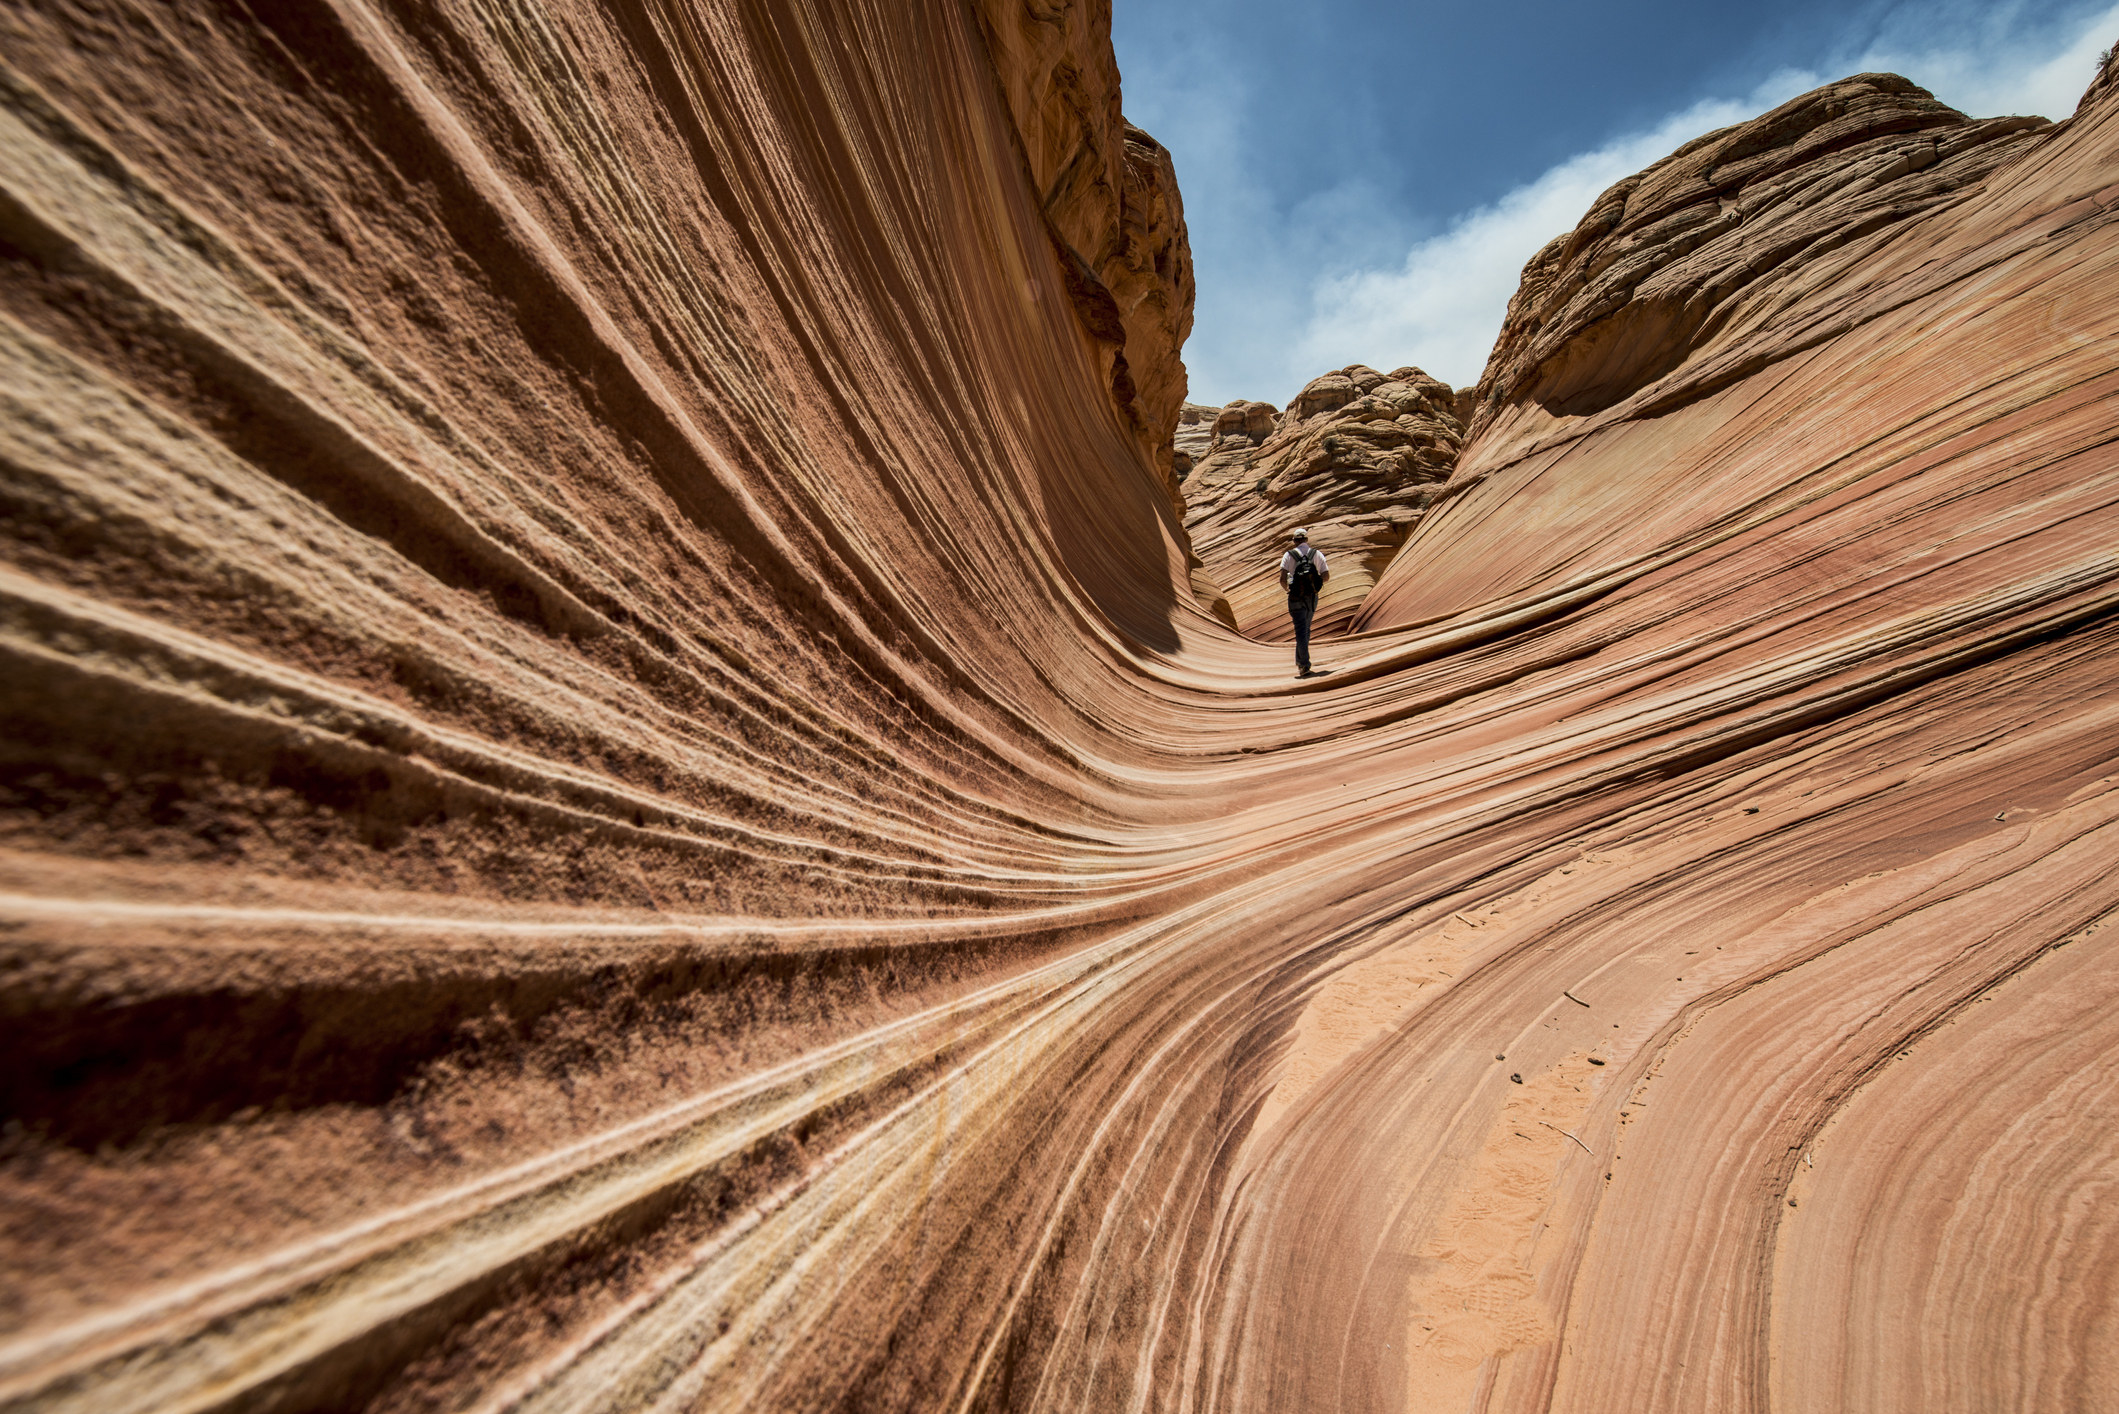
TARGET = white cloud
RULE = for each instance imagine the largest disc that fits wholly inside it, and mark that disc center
(1441, 305)
(1970, 58)
(1193, 94)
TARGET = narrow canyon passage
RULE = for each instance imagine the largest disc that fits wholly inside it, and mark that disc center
(623, 788)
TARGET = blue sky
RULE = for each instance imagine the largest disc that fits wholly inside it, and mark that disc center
(1364, 179)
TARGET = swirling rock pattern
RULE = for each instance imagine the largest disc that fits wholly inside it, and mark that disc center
(615, 796)
(1356, 459)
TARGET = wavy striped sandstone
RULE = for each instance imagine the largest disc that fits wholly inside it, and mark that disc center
(616, 796)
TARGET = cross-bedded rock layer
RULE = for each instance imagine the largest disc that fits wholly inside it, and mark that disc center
(1728, 234)
(615, 797)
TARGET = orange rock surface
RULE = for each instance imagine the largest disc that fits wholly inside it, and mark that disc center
(616, 795)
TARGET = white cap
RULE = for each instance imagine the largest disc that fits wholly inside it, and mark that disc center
(1302, 532)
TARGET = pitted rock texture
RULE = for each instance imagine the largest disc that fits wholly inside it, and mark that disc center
(613, 796)
(1356, 459)
(1149, 271)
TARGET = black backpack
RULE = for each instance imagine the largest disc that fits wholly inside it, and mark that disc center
(1304, 581)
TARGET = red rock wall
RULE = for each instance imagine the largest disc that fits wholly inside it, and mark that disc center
(574, 586)
(613, 797)
(1783, 253)
(1802, 450)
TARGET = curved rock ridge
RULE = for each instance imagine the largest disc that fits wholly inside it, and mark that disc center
(575, 597)
(613, 795)
(1796, 250)
(1356, 459)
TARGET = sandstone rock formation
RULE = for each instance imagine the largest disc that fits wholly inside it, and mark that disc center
(1816, 417)
(1786, 253)
(1357, 458)
(612, 794)
(1724, 235)
(1194, 436)
(1110, 198)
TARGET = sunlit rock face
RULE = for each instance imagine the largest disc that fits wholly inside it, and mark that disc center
(617, 792)
(1829, 228)
(1801, 448)
(1356, 459)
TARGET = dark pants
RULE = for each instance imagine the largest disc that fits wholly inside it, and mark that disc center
(1300, 609)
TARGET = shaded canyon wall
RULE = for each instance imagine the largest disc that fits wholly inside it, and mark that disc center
(575, 584)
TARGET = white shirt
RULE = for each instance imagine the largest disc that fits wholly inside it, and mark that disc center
(1288, 562)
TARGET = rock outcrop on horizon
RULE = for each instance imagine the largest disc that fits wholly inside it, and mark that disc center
(1728, 234)
(618, 790)
(1357, 458)
(1788, 253)
(1194, 436)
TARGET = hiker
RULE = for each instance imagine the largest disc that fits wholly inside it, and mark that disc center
(1302, 573)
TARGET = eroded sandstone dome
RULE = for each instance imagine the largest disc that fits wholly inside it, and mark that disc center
(1356, 459)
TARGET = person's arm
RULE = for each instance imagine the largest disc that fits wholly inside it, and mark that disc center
(1324, 568)
(1284, 574)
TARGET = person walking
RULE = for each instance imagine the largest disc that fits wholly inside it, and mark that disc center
(1302, 573)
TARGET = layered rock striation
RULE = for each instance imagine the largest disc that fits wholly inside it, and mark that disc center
(1357, 458)
(614, 794)
(1818, 413)
(1796, 251)
(1194, 436)
(574, 581)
